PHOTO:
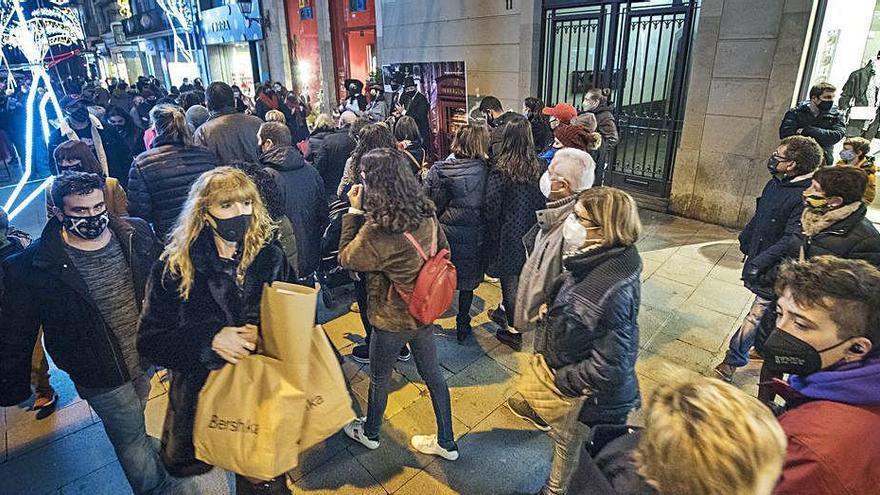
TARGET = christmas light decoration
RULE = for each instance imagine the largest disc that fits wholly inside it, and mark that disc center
(178, 10)
(33, 38)
(124, 7)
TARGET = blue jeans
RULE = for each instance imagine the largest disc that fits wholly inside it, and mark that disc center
(744, 338)
(384, 349)
(122, 411)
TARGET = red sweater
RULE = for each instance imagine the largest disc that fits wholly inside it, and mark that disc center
(833, 449)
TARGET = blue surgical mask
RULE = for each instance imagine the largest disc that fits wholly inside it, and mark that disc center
(847, 155)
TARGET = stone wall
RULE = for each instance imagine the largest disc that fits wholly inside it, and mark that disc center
(499, 45)
(744, 69)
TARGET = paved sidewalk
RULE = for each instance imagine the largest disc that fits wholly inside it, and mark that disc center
(692, 300)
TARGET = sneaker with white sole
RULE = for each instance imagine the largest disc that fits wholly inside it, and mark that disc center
(355, 431)
(427, 444)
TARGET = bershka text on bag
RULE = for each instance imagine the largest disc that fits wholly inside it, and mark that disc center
(233, 425)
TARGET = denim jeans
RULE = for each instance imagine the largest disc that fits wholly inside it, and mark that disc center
(744, 338)
(360, 293)
(569, 436)
(465, 301)
(384, 348)
(122, 411)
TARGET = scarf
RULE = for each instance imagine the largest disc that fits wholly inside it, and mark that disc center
(813, 223)
(270, 102)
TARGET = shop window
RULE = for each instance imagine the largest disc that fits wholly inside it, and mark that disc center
(357, 5)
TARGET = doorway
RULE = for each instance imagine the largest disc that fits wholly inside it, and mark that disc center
(640, 51)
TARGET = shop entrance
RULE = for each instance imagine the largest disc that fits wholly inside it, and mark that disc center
(640, 51)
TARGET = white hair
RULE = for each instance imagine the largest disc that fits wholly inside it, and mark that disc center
(576, 167)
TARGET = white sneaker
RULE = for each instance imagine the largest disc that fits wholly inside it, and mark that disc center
(355, 431)
(427, 444)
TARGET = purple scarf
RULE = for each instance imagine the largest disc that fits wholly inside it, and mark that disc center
(855, 383)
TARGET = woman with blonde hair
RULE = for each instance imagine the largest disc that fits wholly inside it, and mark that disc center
(456, 185)
(584, 367)
(276, 116)
(701, 437)
(75, 156)
(203, 303)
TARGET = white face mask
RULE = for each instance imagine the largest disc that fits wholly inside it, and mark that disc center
(574, 235)
(545, 184)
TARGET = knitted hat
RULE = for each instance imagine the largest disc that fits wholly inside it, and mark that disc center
(563, 112)
(196, 115)
(586, 120)
(572, 136)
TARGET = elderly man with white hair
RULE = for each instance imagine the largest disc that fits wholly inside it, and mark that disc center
(571, 171)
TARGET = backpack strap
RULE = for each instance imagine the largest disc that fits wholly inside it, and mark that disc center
(412, 240)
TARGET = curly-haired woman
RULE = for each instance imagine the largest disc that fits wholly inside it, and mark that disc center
(389, 204)
(203, 303)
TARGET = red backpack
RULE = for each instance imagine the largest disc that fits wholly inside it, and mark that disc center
(435, 285)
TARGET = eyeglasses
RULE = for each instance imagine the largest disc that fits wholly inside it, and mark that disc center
(780, 158)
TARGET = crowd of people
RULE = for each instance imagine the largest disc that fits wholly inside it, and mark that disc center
(170, 210)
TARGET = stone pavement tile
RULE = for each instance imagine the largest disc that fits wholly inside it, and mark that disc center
(340, 475)
(154, 415)
(704, 328)
(395, 462)
(685, 270)
(402, 393)
(108, 480)
(354, 371)
(659, 368)
(503, 454)
(48, 468)
(649, 266)
(319, 455)
(456, 357)
(424, 484)
(479, 389)
(690, 356)
(663, 293)
(728, 270)
(705, 251)
(721, 296)
(408, 369)
(26, 435)
(651, 320)
(656, 250)
(510, 359)
(345, 331)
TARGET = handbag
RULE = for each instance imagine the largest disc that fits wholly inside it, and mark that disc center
(538, 388)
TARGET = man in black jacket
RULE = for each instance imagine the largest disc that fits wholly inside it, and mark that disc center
(160, 178)
(766, 238)
(496, 119)
(83, 281)
(334, 151)
(302, 191)
(817, 118)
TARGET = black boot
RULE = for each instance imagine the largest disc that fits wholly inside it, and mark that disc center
(276, 486)
(462, 332)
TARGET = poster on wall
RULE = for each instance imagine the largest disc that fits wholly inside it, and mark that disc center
(444, 86)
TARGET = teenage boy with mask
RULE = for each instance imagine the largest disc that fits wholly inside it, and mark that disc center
(766, 238)
(817, 118)
(83, 281)
(827, 337)
(491, 109)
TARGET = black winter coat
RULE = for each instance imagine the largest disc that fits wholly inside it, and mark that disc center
(50, 293)
(315, 141)
(331, 156)
(160, 179)
(612, 470)
(115, 148)
(854, 237)
(541, 132)
(497, 131)
(177, 334)
(457, 188)
(591, 331)
(509, 212)
(827, 128)
(765, 240)
(302, 191)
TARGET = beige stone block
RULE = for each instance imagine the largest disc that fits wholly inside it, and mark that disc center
(798, 6)
(727, 298)
(407, 12)
(692, 357)
(744, 58)
(710, 252)
(702, 64)
(691, 131)
(724, 134)
(737, 97)
(663, 293)
(750, 19)
(479, 389)
(683, 177)
(456, 32)
(659, 368)
(699, 327)
(684, 270)
(720, 181)
(711, 8)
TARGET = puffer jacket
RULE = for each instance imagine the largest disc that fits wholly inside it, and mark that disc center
(767, 237)
(827, 128)
(315, 140)
(590, 335)
(869, 167)
(457, 188)
(160, 179)
(177, 334)
(302, 191)
(330, 158)
(851, 237)
(386, 258)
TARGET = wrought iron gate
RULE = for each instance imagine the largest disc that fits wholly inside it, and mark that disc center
(640, 50)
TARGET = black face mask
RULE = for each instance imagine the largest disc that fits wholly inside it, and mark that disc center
(490, 120)
(232, 229)
(89, 228)
(80, 115)
(772, 163)
(825, 105)
(786, 353)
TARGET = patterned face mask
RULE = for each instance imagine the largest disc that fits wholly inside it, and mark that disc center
(87, 227)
